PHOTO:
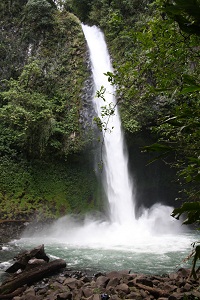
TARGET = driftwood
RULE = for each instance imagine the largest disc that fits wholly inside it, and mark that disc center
(23, 258)
(31, 276)
(157, 293)
(13, 294)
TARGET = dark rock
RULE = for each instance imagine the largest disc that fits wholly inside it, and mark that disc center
(145, 281)
(143, 294)
(78, 294)
(102, 281)
(61, 279)
(168, 287)
(173, 276)
(176, 296)
(123, 287)
(99, 274)
(30, 291)
(131, 283)
(195, 294)
(113, 282)
(119, 274)
(87, 292)
(65, 296)
(187, 287)
(31, 297)
(96, 297)
(71, 282)
(134, 295)
(85, 279)
(59, 287)
(183, 272)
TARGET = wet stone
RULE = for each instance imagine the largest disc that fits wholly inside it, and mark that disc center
(123, 287)
(113, 282)
(144, 281)
(102, 281)
(64, 296)
(87, 292)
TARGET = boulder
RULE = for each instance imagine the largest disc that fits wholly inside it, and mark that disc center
(113, 282)
(123, 287)
(102, 281)
(144, 281)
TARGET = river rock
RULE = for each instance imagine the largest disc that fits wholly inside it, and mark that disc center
(144, 281)
(77, 285)
(102, 281)
(123, 287)
(71, 282)
(113, 282)
(65, 296)
(176, 296)
(87, 291)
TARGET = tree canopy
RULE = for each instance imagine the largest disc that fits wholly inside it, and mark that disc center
(155, 51)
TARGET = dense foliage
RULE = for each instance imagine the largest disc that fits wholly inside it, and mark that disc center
(39, 113)
(42, 73)
(155, 50)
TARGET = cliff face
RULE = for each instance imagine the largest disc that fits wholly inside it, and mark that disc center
(43, 61)
(45, 144)
(44, 170)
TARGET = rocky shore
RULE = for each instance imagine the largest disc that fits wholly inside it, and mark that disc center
(11, 229)
(113, 285)
(34, 277)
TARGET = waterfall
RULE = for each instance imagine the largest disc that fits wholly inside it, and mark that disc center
(147, 244)
(117, 183)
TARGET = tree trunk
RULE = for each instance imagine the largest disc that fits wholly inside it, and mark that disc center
(28, 277)
(157, 293)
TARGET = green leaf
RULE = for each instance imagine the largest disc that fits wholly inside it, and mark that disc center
(190, 89)
(158, 148)
(192, 211)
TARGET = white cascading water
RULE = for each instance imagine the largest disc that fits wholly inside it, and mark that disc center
(122, 229)
(152, 243)
(117, 182)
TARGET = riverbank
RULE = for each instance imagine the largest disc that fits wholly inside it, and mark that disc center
(33, 276)
(80, 284)
(112, 285)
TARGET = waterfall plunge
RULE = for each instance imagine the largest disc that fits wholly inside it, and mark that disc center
(155, 232)
(115, 163)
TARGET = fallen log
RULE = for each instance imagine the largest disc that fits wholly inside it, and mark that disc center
(23, 258)
(157, 293)
(13, 294)
(31, 276)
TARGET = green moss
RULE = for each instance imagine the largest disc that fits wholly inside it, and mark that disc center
(46, 190)
(40, 118)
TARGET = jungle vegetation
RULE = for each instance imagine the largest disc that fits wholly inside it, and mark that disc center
(155, 51)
